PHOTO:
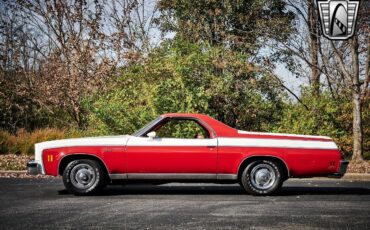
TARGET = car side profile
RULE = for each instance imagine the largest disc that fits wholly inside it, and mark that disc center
(181, 147)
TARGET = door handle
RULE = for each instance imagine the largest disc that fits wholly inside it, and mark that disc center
(211, 146)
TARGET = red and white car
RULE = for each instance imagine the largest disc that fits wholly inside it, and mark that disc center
(188, 148)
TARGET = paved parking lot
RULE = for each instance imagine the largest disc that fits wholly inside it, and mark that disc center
(301, 204)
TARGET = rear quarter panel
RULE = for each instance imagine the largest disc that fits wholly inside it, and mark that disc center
(300, 162)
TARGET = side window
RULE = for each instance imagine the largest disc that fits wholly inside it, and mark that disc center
(182, 128)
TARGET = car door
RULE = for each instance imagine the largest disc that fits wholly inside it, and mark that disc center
(182, 146)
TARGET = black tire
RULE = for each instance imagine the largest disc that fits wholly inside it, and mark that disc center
(84, 177)
(262, 177)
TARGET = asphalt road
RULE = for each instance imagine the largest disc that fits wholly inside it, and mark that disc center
(301, 204)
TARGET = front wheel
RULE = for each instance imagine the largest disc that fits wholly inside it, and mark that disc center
(83, 177)
(262, 177)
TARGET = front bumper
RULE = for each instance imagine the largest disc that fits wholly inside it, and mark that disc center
(342, 169)
(33, 168)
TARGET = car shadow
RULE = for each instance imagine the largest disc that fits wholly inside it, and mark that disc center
(113, 190)
(116, 190)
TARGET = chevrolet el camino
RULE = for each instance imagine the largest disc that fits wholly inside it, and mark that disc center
(188, 148)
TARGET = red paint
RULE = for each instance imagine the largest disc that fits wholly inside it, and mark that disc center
(300, 162)
(185, 159)
(171, 159)
(51, 166)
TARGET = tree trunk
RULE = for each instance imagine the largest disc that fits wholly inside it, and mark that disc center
(357, 105)
(314, 47)
(357, 127)
(354, 76)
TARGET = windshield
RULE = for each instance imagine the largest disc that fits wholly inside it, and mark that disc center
(146, 127)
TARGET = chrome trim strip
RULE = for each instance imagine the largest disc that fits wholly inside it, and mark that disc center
(227, 177)
(33, 168)
(160, 119)
(122, 176)
(172, 176)
(148, 127)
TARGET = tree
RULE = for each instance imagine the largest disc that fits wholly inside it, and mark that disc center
(72, 67)
(301, 51)
(354, 62)
(314, 31)
(62, 51)
(186, 77)
(19, 108)
(243, 26)
(132, 29)
(345, 64)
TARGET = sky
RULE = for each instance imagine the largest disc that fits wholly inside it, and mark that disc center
(289, 79)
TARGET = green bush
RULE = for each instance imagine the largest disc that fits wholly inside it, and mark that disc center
(324, 116)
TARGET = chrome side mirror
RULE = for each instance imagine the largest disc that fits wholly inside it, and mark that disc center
(151, 135)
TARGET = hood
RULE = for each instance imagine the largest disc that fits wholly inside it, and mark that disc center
(85, 141)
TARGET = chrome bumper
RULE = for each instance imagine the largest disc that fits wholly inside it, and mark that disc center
(33, 168)
(342, 169)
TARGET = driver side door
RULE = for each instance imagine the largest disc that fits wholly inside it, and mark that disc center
(181, 148)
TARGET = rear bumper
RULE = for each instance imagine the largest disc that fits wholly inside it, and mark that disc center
(342, 169)
(33, 168)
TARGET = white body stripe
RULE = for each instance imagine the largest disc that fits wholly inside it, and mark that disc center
(145, 141)
(283, 134)
(276, 143)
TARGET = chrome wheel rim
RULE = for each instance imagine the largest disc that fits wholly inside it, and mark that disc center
(83, 176)
(263, 176)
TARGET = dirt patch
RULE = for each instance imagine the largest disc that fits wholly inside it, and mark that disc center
(15, 166)
(14, 162)
(359, 167)
(20, 174)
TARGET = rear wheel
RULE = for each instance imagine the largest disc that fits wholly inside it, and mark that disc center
(262, 177)
(83, 177)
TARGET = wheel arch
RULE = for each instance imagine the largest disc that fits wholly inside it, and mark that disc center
(246, 161)
(68, 158)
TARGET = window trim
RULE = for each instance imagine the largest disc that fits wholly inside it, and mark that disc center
(205, 126)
